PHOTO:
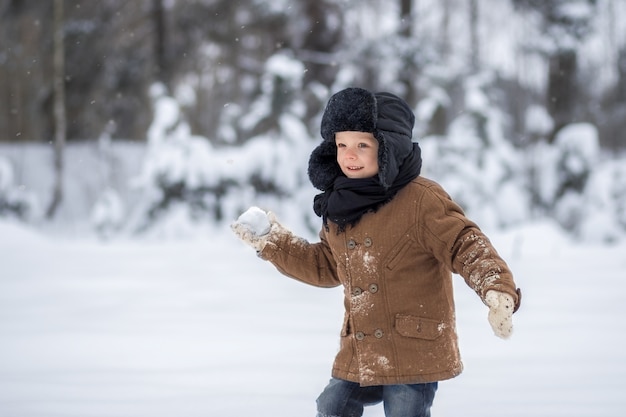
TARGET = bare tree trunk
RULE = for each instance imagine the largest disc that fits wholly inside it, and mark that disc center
(562, 90)
(60, 121)
(474, 41)
(406, 12)
(407, 75)
(161, 67)
(444, 31)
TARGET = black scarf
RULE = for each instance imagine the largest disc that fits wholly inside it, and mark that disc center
(349, 199)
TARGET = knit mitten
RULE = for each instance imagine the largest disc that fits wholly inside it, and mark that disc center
(501, 306)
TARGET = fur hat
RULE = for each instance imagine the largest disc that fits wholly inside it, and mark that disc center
(386, 116)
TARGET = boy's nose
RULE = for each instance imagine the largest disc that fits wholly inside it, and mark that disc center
(350, 154)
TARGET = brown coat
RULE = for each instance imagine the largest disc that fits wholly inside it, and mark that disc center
(395, 266)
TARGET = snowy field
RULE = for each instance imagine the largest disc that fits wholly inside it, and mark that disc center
(204, 328)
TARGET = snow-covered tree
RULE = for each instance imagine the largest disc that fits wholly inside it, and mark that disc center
(186, 177)
(475, 162)
(564, 26)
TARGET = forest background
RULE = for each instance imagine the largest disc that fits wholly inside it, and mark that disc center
(130, 115)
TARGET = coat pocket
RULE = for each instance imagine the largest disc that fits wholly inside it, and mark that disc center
(419, 327)
(398, 255)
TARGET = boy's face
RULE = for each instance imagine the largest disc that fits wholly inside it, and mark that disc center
(357, 154)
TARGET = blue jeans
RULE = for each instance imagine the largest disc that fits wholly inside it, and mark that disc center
(346, 399)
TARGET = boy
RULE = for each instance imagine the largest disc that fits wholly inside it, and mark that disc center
(393, 239)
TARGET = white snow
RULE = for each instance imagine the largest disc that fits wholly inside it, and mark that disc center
(203, 327)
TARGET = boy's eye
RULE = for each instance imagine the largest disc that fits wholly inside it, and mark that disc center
(363, 145)
(341, 145)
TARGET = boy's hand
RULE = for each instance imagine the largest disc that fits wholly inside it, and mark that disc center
(501, 307)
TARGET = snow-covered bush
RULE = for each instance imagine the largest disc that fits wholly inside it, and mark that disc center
(569, 184)
(187, 177)
(475, 163)
(107, 215)
(15, 202)
(603, 203)
(572, 183)
(498, 185)
(178, 168)
(577, 151)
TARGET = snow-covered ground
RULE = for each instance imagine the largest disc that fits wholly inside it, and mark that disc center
(202, 327)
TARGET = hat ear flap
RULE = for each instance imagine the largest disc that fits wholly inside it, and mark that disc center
(385, 168)
(323, 166)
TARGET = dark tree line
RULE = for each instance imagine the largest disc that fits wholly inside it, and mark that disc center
(115, 50)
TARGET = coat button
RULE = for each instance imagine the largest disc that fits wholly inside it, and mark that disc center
(351, 244)
(368, 242)
(373, 288)
(378, 334)
(357, 291)
(359, 335)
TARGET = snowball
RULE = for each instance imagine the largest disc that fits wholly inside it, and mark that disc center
(256, 220)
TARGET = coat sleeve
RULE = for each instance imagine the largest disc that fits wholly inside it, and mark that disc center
(311, 263)
(459, 243)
